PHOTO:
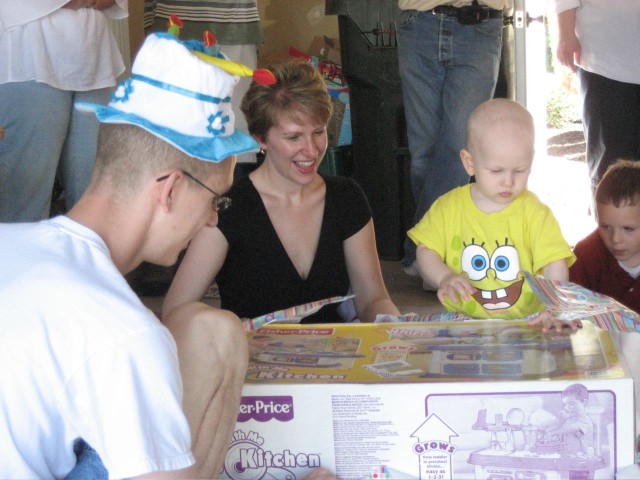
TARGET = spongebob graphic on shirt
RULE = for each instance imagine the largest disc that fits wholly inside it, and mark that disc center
(502, 291)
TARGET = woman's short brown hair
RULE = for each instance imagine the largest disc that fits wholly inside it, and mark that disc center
(299, 89)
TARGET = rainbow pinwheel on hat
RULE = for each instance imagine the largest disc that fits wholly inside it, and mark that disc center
(181, 91)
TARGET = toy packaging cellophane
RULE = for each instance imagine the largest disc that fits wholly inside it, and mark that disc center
(465, 400)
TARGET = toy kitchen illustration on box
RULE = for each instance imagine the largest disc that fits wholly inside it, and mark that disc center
(473, 400)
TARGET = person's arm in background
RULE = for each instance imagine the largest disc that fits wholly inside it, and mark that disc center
(371, 296)
(568, 48)
(201, 263)
(95, 4)
(114, 9)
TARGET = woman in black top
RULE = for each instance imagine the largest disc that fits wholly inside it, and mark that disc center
(291, 235)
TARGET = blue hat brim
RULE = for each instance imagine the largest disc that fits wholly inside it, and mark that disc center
(211, 149)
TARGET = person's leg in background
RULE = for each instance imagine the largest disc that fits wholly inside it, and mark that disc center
(447, 69)
(472, 56)
(79, 152)
(247, 55)
(611, 121)
(35, 118)
(422, 77)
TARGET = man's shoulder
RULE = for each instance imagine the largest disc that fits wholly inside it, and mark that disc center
(19, 231)
(49, 248)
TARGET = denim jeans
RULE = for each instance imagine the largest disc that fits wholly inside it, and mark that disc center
(89, 466)
(44, 135)
(447, 69)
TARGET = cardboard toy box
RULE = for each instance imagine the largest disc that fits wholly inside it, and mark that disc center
(468, 400)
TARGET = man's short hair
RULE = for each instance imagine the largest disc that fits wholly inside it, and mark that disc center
(620, 185)
(128, 155)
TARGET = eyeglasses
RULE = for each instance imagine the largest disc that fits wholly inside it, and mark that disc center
(219, 203)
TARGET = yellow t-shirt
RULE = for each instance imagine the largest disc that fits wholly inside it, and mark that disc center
(493, 249)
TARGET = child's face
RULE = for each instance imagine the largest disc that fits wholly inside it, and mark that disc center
(572, 405)
(501, 165)
(619, 228)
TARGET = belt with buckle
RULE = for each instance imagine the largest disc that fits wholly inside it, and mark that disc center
(470, 14)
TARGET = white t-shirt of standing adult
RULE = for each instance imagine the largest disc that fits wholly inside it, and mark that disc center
(609, 35)
(68, 49)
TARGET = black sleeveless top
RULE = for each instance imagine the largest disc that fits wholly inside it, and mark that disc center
(259, 278)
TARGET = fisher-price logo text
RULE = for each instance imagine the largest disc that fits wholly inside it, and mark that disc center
(263, 409)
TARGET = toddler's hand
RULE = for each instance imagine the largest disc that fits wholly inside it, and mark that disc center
(548, 321)
(454, 285)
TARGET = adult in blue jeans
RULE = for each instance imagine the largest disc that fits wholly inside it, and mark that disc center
(54, 53)
(449, 56)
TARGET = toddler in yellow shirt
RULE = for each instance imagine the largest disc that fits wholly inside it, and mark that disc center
(476, 241)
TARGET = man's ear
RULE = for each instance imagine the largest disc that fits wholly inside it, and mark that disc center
(166, 192)
(467, 162)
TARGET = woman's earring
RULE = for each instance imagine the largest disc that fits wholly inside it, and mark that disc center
(260, 156)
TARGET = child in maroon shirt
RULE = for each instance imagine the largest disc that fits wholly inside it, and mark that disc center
(608, 259)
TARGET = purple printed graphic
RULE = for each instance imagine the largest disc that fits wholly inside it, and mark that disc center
(263, 409)
(551, 435)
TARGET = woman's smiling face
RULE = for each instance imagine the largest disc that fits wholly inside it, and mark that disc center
(295, 146)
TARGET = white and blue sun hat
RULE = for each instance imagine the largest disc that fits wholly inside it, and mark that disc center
(179, 96)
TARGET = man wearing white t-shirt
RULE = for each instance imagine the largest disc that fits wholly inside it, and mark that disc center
(88, 370)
